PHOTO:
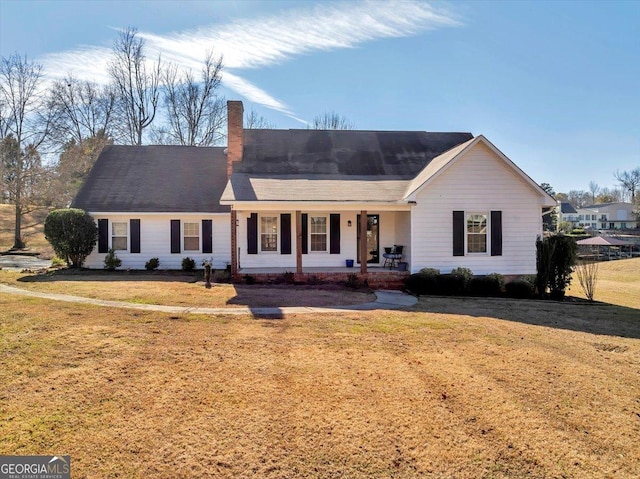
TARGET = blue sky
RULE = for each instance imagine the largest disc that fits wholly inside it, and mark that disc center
(554, 85)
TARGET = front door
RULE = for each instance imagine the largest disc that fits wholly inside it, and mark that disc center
(373, 239)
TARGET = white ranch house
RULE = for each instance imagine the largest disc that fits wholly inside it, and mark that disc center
(297, 200)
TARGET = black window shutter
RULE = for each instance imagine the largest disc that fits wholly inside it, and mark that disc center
(207, 236)
(175, 236)
(458, 233)
(334, 240)
(252, 234)
(285, 233)
(496, 233)
(103, 236)
(305, 233)
(134, 227)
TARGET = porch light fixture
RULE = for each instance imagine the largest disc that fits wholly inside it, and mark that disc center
(349, 223)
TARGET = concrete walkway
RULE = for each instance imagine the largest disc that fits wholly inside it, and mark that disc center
(384, 300)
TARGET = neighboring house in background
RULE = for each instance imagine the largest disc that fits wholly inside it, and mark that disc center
(311, 201)
(301, 198)
(567, 213)
(608, 216)
(158, 201)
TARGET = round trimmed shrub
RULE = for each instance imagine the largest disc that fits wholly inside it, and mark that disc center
(519, 289)
(152, 264)
(72, 233)
(451, 284)
(422, 283)
(485, 286)
(464, 273)
(188, 264)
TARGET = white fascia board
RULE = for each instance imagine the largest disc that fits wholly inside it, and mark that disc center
(139, 213)
(318, 206)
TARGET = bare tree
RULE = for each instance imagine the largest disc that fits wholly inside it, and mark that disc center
(331, 121)
(587, 273)
(195, 111)
(81, 110)
(136, 82)
(578, 198)
(630, 181)
(610, 195)
(24, 128)
(593, 188)
(253, 121)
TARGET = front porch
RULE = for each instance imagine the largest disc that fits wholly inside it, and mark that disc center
(320, 242)
(376, 277)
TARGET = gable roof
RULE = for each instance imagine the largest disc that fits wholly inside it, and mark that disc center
(157, 178)
(441, 163)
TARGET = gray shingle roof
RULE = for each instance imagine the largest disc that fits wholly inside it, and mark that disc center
(567, 208)
(155, 179)
(399, 154)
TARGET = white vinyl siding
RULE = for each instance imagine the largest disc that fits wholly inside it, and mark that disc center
(155, 241)
(119, 237)
(479, 181)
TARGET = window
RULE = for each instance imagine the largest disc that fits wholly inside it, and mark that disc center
(119, 235)
(476, 233)
(593, 217)
(191, 236)
(318, 233)
(269, 233)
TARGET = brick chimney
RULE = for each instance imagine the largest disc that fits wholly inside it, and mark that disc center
(235, 129)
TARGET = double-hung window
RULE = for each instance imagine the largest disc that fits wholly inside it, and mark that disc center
(191, 236)
(268, 233)
(476, 233)
(318, 233)
(119, 235)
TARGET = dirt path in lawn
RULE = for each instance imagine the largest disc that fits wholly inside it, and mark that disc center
(384, 300)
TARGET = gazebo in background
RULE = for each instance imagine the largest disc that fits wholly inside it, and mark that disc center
(599, 248)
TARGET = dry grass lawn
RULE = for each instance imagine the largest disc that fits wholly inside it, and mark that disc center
(181, 290)
(455, 388)
(618, 283)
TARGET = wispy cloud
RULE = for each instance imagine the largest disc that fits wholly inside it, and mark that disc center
(268, 41)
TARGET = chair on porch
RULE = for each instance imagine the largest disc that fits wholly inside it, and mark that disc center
(392, 256)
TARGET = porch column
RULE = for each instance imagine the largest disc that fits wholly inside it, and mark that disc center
(299, 242)
(363, 242)
(234, 243)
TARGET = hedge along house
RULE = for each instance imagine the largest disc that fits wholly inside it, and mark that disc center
(306, 201)
(158, 201)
